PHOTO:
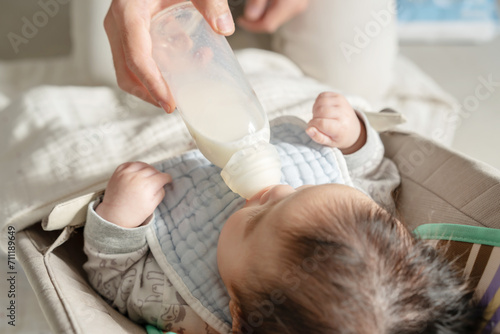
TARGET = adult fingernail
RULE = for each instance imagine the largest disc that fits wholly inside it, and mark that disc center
(253, 12)
(225, 24)
(165, 107)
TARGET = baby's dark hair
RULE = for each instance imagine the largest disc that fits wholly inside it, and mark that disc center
(360, 271)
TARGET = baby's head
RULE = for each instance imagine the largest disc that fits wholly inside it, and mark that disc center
(327, 259)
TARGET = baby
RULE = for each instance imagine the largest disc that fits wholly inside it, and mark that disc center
(316, 259)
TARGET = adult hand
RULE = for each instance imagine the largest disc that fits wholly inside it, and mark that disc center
(269, 15)
(127, 26)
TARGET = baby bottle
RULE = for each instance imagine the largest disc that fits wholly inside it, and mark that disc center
(216, 102)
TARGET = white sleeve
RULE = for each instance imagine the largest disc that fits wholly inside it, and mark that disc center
(122, 269)
(371, 172)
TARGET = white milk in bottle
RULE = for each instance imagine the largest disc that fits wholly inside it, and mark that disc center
(215, 100)
(219, 117)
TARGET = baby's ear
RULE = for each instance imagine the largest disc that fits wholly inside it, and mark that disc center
(235, 311)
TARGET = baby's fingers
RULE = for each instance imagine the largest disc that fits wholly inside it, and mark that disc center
(161, 179)
(328, 126)
(319, 137)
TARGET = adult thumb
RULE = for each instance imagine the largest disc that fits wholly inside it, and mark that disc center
(217, 14)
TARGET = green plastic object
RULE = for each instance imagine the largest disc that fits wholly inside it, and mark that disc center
(456, 232)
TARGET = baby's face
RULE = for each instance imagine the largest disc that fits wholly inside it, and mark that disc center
(251, 236)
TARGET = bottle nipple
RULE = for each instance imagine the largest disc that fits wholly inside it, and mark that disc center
(252, 169)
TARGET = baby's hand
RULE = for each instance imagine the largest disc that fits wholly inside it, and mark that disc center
(133, 192)
(335, 124)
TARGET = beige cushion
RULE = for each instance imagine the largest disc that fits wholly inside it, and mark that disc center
(439, 185)
(60, 284)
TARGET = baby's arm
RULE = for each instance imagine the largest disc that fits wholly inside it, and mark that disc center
(120, 266)
(117, 259)
(336, 124)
